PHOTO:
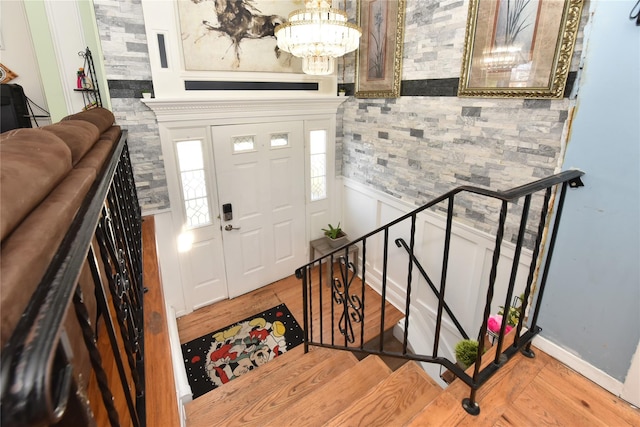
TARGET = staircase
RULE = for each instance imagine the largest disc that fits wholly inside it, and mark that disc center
(329, 386)
(322, 387)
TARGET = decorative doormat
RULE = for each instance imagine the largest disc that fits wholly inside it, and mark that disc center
(219, 357)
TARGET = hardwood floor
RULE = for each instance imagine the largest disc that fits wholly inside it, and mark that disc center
(532, 392)
(161, 403)
(288, 291)
(161, 400)
(525, 392)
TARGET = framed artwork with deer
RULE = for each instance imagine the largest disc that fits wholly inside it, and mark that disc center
(235, 35)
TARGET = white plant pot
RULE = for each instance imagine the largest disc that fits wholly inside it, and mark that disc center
(337, 242)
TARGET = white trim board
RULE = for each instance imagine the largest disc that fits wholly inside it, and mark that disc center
(183, 389)
(471, 251)
(631, 386)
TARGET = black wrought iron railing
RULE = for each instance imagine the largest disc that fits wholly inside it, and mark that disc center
(334, 300)
(39, 386)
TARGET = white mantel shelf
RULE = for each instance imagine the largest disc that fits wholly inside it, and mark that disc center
(183, 109)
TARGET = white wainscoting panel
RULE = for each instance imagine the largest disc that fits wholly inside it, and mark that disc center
(469, 267)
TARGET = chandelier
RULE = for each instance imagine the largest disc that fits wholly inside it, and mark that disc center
(318, 34)
(503, 58)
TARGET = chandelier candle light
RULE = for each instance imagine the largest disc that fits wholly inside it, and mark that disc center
(318, 34)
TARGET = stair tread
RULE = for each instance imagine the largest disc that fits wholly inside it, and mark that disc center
(229, 389)
(393, 401)
(235, 388)
(261, 396)
(327, 401)
(443, 410)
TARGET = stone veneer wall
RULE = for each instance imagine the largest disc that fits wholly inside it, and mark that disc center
(418, 147)
(124, 44)
(414, 148)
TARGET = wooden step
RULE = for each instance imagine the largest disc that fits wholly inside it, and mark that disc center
(229, 390)
(329, 400)
(390, 344)
(394, 401)
(265, 392)
(444, 410)
(201, 406)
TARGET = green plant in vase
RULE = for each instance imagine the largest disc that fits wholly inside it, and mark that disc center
(335, 235)
(466, 352)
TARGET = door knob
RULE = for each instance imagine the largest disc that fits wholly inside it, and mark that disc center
(231, 227)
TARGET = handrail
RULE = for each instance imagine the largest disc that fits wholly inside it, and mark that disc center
(454, 319)
(32, 391)
(342, 297)
(572, 176)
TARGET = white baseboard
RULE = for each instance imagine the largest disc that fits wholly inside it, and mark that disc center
(631, 388)
(589, 371)
(183, 389)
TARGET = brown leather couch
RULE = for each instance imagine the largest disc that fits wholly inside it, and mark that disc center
(45, 174)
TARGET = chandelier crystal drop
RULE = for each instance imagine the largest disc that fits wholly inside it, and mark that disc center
(318, 34)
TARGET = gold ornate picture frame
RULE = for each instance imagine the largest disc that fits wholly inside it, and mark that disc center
(518, 48)
(379, 58)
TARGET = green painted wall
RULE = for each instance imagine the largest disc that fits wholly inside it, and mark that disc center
(92, 38)
(40, 29)
(44, 50)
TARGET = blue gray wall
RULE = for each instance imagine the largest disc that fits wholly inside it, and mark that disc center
(592, 302)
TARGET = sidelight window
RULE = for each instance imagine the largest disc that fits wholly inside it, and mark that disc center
(194, 185)
(318, 164)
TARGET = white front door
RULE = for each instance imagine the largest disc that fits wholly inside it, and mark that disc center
(200, 251)
(260, 180)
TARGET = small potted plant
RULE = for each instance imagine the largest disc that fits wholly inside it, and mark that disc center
(513, 316)
(146, 94)
(466, 353)
(335, 236)
(494, 323)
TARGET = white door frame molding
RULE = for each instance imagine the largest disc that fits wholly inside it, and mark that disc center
(237, 111)
(180, 114)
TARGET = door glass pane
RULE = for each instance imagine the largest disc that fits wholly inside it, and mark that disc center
(189, 155)
(318, 163)
(318, 141)
(194, 185)
(279, 140)
(243, 143)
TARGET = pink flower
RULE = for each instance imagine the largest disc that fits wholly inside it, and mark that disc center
(495, 322)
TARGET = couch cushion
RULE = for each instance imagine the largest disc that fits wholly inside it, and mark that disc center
(79, 135)
(32, 163)
(34, 244)
(112, 134)
(101, 117)
(97, 156)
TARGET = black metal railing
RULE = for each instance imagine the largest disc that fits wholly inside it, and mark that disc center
(38, 383)
(337, 296)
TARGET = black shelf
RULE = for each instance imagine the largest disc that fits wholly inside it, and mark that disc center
(91, 97)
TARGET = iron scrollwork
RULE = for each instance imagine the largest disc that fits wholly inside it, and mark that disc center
(352, 308)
